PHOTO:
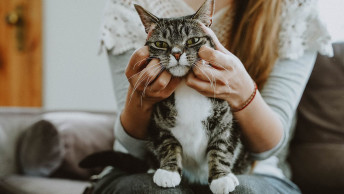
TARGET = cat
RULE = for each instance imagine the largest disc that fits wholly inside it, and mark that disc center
(190, 134)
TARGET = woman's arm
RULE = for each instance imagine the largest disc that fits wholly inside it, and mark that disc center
(263, 125)
(138, 84)
(148, 85)
(283, 90)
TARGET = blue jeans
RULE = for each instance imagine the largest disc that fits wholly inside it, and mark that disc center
(120, 182)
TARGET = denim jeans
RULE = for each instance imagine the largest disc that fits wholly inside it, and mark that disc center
(120, 182)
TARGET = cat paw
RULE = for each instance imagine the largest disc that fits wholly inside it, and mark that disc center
(164, 178)
(224, 185)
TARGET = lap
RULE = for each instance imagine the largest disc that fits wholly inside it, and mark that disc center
(118, 182)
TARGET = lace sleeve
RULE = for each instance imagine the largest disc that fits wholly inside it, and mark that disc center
(122, 30)
(302, 30)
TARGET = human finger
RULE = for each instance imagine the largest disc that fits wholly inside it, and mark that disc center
(161, 82)
(137, 61)
(171, 86)
(196, 83)
(216, 58)
(207, 88)
(145, 77)
(208, 73)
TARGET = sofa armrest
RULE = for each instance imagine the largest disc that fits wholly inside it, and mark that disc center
(13, 121)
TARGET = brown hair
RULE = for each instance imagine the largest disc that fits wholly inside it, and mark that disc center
(254, 37)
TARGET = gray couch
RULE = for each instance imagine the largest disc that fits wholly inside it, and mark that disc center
(40, 150)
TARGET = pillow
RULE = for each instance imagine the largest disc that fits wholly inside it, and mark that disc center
(61, 140)
(40, 149)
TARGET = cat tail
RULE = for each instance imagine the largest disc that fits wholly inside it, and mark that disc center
(125, 162)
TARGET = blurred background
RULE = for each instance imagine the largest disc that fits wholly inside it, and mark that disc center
(49, 53)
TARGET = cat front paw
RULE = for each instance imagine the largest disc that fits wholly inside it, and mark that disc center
(224, 185)
(165, 178)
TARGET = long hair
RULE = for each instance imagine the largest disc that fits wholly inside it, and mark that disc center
(254, 37)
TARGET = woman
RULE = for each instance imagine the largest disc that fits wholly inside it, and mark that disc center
(271, 42)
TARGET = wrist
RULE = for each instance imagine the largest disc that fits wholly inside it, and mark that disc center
(136, 101)
(136, 114)
(243, 102)
(135, 123)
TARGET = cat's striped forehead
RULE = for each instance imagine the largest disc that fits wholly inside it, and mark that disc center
(177, 29)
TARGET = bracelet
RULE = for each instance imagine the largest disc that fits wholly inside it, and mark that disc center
(249, 100)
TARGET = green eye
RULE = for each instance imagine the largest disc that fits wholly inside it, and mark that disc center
(161, 44)
(192, 41)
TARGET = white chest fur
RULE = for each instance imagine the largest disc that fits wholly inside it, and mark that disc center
(192, 108)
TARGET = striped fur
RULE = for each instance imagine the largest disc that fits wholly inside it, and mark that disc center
(189, 133)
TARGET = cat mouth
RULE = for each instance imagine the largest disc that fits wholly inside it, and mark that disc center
(179, 70)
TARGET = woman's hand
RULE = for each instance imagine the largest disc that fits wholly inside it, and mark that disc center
(147, 80)
(225, 78)
(148, 85)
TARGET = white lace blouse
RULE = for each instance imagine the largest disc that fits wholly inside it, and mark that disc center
(302, 35)
(301, 27)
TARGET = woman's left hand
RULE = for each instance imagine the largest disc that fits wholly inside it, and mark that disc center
(225, 77)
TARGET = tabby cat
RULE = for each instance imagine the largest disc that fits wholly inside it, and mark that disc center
(189, 133)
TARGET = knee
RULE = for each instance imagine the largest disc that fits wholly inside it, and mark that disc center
(247, 185)
(244, 189)
(143, 184)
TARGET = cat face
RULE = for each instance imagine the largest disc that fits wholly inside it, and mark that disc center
(176, 44)
(176, 41)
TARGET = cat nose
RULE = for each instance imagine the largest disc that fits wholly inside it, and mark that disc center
(176, 52)
(176, 55)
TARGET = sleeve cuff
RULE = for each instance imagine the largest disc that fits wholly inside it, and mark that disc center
(272, 151)
(125, 143)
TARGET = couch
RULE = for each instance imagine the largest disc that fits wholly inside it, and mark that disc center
(40, 150)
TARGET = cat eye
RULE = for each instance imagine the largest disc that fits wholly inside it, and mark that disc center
(192, 41)
(161, 44)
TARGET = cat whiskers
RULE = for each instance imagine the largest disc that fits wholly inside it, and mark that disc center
(141, 61)
(212, 80)
(225, 82)
(157, 69)
(142, 78)
(224, 68)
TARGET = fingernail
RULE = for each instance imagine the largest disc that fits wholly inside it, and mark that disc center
(204, 47)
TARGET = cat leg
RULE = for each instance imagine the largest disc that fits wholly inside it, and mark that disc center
(220, 162)
(169, 152)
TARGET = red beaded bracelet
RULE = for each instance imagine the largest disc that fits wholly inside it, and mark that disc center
(249, 100)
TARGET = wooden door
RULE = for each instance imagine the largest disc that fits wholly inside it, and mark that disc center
(21, 53)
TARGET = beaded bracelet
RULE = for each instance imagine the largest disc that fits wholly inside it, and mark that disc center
(249, 100)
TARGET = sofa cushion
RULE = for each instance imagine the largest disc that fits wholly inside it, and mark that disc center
(39, 185)
(316, 152)
(78, 135)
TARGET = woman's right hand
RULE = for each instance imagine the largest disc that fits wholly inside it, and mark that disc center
(148, 85)
(147, 79)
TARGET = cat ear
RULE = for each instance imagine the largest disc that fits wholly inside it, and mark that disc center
(205, 12)
(147, 18)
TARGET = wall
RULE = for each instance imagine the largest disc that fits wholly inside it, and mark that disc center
(75, 76)
(331, 11)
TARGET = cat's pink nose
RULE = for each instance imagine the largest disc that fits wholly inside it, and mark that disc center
(176, 55)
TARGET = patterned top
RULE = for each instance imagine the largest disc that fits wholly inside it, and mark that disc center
(301, 27)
